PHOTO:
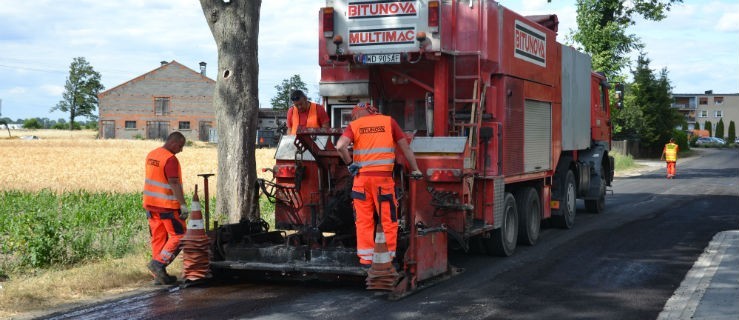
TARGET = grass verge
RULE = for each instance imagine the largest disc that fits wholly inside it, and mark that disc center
(74, 247)
(623, 162)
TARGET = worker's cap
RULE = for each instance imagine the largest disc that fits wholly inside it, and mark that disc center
(364, 106)
(296, 95)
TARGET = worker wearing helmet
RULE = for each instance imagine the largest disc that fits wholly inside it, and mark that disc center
(165, 205)
(375, 137)
(669, 153)
(305, 114)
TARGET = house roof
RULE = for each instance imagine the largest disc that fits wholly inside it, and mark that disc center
(171, 64)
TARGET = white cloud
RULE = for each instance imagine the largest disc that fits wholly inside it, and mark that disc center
(52, 90)
(729, 22)
(17, 91)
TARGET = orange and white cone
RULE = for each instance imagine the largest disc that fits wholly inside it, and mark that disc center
(382, 274)
(195, 245)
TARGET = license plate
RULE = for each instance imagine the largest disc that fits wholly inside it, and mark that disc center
(385, 58)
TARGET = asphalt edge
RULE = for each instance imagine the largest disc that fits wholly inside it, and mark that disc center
(685, 300)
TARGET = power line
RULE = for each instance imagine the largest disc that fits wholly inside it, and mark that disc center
(32, 69)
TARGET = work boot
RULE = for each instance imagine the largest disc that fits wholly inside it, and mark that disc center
(157, 270)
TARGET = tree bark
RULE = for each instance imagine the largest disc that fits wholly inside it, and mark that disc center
(235, 28)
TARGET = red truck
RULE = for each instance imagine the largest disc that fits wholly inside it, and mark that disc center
(508, 126)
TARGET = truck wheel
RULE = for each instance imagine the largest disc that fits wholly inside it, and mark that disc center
(529, 215)
(502, 241)
(598, 205)
(567, 208)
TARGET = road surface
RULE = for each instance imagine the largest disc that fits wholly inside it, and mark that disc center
(622, 264)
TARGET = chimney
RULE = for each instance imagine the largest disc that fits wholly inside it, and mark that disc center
(164, 63)
(202, 68)
(709, 91)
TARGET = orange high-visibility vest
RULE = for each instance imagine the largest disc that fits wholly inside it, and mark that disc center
(157, 191)
(671, 152)
(374, 148)
(311, 121)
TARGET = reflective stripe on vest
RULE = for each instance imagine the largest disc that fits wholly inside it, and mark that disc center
(374, 148)
(311, 121)
(157, 191)
(671, 152)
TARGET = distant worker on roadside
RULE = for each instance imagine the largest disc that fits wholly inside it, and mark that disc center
(669, 154)
(165, 206)
(305, 114)
(375, 137)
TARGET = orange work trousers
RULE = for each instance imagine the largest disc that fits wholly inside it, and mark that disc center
(374, 196)
(670, 169)
(166, 229)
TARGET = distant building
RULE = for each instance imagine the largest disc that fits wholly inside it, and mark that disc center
(151, 106)
(709, 106)
(12, 126)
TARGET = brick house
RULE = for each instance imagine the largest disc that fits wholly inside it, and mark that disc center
(151, 106)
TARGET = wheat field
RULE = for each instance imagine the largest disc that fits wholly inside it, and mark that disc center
(65, 161)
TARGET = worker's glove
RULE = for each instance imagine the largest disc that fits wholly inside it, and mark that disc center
(353, 169)
(184, 212)
(416, 174)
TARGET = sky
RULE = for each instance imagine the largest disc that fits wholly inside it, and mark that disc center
(698, 44)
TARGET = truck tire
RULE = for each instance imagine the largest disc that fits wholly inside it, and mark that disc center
(567, 205)
(502, 241)
(529, 215)
(598, 205)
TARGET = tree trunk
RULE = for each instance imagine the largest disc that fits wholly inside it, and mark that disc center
(235, 27)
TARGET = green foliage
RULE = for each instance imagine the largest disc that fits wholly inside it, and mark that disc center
(65, 126)
(732, 132)
(32, 123)
(281, 101)
(708, 127)
(627, 120)
(80, 97)
(720, 129)
(653, 97)
(697, 125)
(693, 139)
(267, 210)
(681, 138)
(602, 25)
(43, 229)
(622, 162)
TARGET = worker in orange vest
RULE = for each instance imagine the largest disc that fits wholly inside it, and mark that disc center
(165, 206)
(375, 137)
(305, 114)
(669, 153)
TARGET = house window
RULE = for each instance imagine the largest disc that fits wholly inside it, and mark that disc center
(184, 125)
(718, 100)
(702, 114)
(161, 106)
(130, 124)
(703, 100)
(718, 114)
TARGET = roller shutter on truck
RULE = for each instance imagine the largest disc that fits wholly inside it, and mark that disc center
(537, 136)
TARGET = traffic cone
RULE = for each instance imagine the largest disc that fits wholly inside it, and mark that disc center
(382, 274)
(195, 245)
